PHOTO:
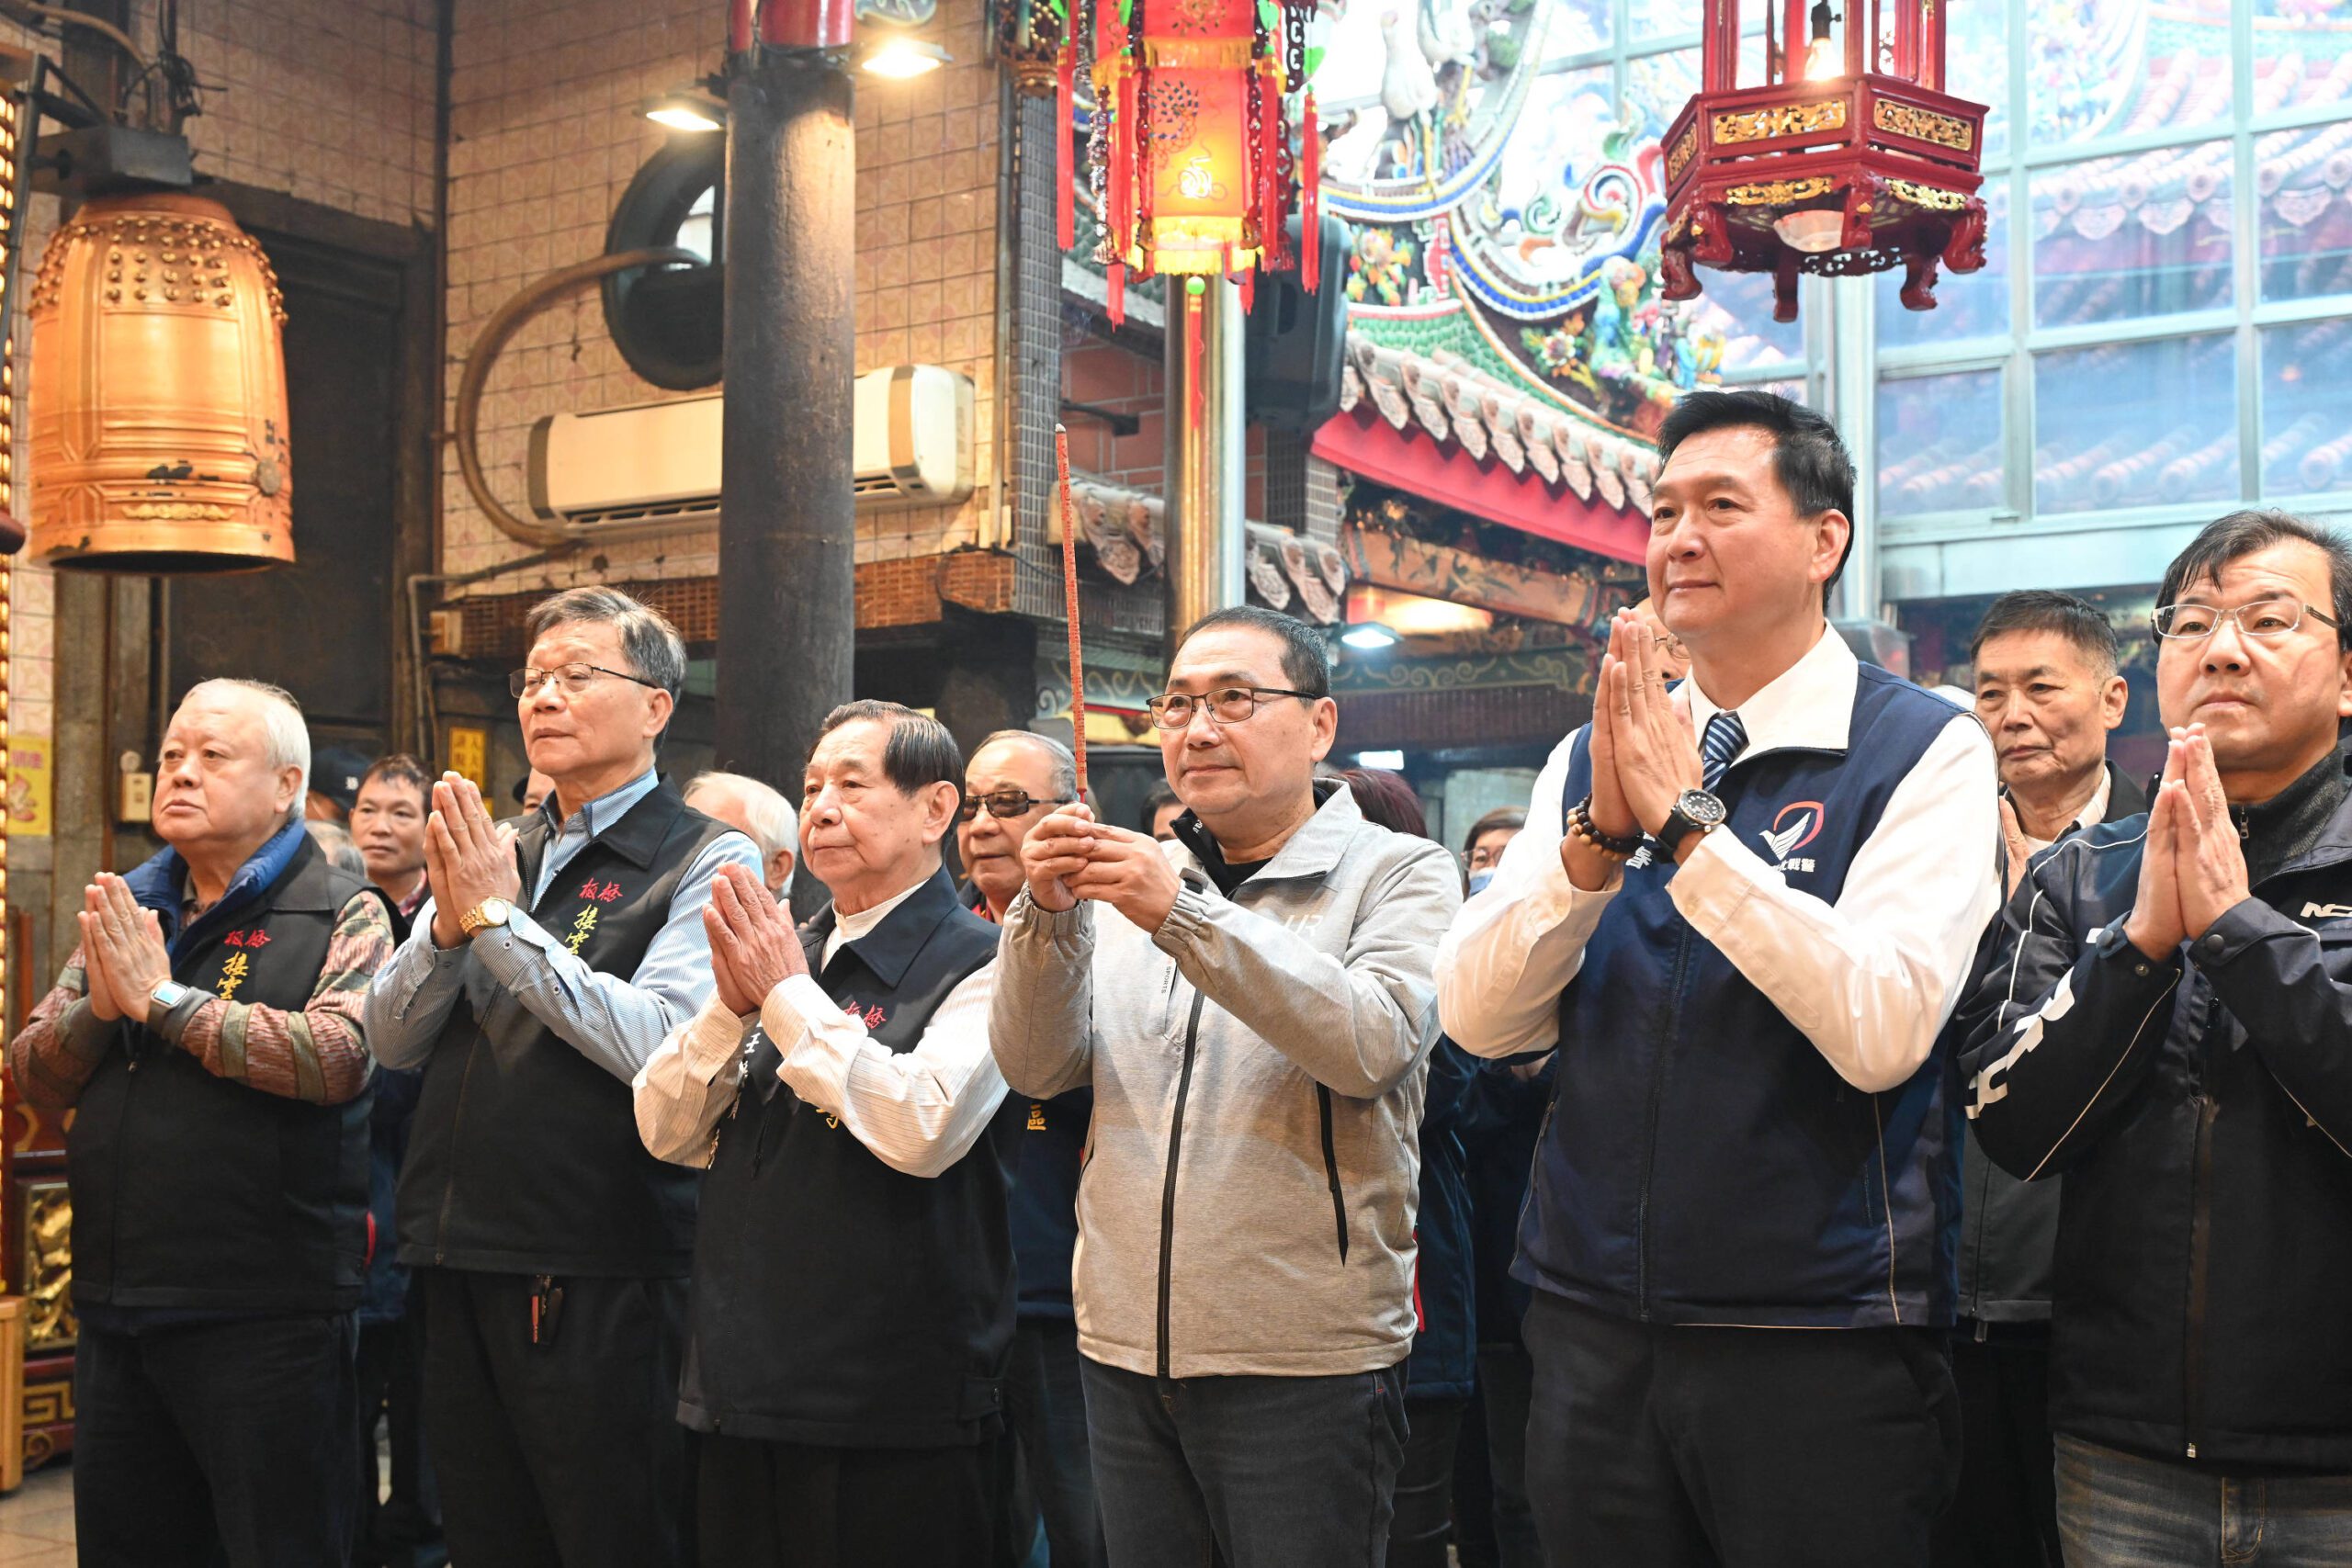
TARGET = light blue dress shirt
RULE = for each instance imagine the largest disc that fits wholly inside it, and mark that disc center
(520, 976)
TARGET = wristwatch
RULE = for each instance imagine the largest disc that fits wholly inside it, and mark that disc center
(165, 997)
(482, 915)
(1695, 812)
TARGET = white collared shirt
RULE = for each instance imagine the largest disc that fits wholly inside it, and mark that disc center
(2093, 813)
(918, 1112)
(1869, 979)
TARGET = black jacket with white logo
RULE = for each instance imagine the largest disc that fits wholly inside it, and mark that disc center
(2200, 1109)
(2010, 1228)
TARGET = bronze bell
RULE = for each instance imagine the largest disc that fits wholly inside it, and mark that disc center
(158, 392)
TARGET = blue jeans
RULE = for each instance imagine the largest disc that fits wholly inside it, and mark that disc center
(1274, 1472)
(2123, 1510)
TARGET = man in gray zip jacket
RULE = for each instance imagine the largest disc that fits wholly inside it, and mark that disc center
(1255, 1023)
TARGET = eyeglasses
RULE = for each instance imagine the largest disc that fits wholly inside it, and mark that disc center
(2262, 618)
(1231, 704)
(1005, 803)
(573, 678)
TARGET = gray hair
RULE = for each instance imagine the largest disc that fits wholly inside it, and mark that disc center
(775, 825)
(1065, 778)
(648, 640)
(287, 738)
(335, 841)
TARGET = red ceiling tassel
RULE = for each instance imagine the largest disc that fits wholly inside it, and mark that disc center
(1064, 108)
(1123, 161)
(1249, 280)
(1195, 391)
(1114, 296)
(1310, 207)
(1269, 150)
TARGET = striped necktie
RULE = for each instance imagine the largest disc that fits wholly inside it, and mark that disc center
(1725, 740)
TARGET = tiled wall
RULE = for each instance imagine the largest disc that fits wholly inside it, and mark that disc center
(547, 135)
(332, 101)
(1110, 377)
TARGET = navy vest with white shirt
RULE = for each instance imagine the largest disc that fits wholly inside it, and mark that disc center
(837, 1302)
(1703, 1162)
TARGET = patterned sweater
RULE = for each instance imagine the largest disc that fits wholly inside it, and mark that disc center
(319, 1054)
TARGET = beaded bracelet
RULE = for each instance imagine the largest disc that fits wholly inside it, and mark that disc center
(1580, 823)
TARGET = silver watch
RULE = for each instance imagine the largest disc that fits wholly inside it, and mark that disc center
(169, 994)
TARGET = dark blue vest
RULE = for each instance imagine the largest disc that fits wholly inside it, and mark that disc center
(836, 1301)
(1702, 1163)
(195, 1194)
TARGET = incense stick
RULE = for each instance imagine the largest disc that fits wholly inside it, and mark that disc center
(1069, 603)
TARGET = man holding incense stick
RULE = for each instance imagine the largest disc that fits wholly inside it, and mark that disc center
(1253, 1011)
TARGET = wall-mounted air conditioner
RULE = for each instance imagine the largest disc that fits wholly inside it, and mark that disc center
(649, 462)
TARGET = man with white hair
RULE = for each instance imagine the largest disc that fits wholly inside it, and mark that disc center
(542, 975)
(760, 814)
(207, 1037)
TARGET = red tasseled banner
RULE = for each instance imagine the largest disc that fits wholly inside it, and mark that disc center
(1065, 177)
(1114, 302)
(1249, 279)
(1310, 206)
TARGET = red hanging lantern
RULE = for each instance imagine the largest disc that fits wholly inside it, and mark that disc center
(1190, 156)
(1849, 158)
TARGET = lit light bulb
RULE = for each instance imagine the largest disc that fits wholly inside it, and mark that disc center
(901, 58)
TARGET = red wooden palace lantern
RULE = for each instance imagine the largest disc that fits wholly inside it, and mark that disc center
(1189, 159)
(1849, 157)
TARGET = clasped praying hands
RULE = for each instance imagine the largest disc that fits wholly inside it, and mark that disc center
(1644, 752)
(467, 857)
(123, 954)
(753, 945)
(2192, 869)
(1070, 856)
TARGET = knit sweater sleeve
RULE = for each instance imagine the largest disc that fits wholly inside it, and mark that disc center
(318, 1053)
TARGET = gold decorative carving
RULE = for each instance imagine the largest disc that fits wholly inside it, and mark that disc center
(48, 1404)
(1928, 197)
(1780, 193)
(1780, 120)
(1685, 146)
(48, 1269)
(1909, 120)
(177, 512)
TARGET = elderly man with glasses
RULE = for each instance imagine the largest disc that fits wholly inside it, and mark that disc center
(2169, 1027)
(542, 974)
(1015, 779)
(1255, 1024)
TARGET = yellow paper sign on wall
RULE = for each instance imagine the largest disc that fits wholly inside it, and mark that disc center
(29, 786)
(470, 754)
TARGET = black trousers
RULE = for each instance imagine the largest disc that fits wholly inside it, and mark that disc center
(566, 1454)
(1047, 1402)
(1735, 1448)
(2005, 1515)
(764, 1504)
(1423, 1522)
(216, 1443)
(403, 1529)
(1506, 1386)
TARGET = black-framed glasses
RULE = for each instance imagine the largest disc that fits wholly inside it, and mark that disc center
(1005, 803)
(573, 678)
(1227, 705)
(2262, 618)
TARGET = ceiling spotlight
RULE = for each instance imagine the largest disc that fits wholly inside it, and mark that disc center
(688, 108)
(1369, 638)
(900, 57)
